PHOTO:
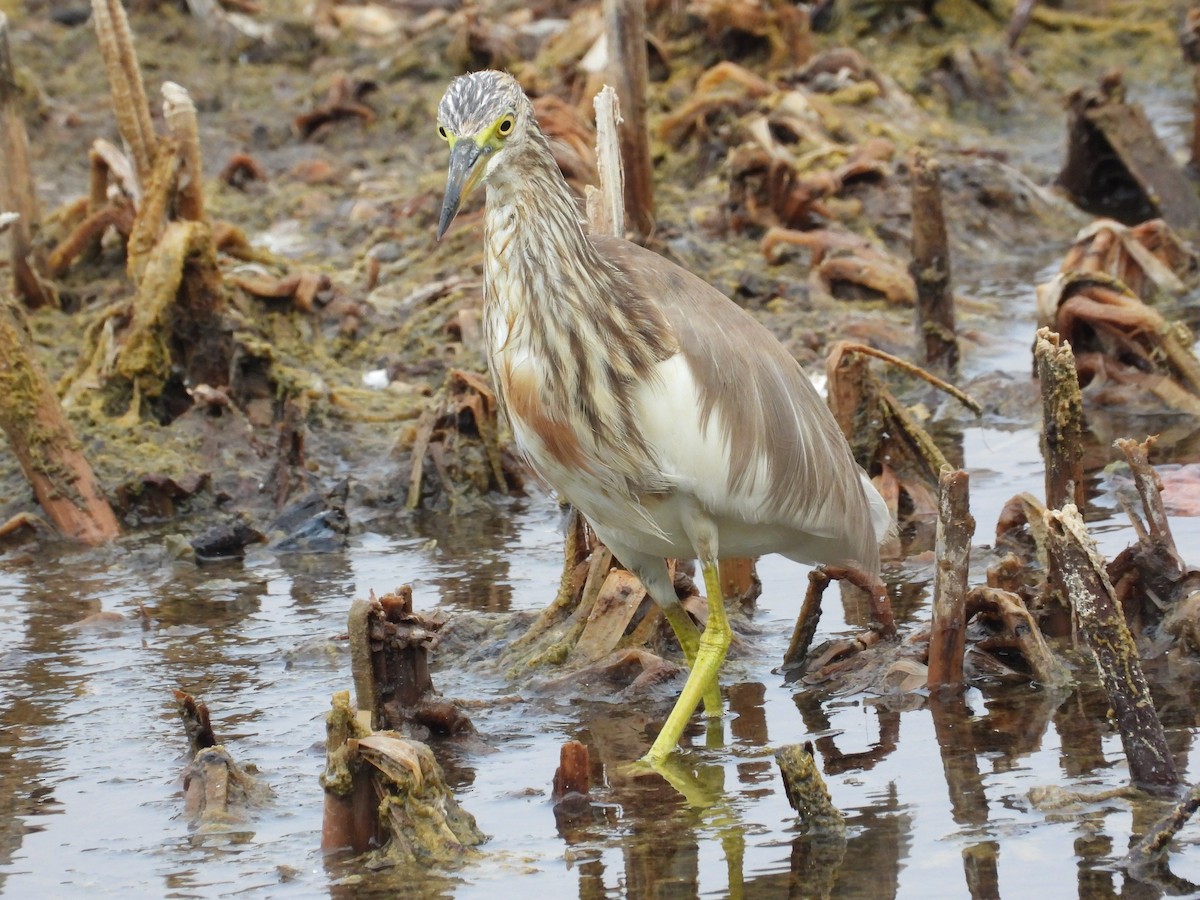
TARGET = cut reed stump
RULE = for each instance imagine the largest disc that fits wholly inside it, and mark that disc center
(389, 645)
(625, 22)
(44, 442)
(955, 528)
(350, 819)
(573, 811)
(606, 204)
(1081, 570)
(930, 266)
(1062, 420)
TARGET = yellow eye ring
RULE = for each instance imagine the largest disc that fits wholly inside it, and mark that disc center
(442, 133)
(504, 129)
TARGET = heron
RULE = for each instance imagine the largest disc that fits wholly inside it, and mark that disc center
(670, 417)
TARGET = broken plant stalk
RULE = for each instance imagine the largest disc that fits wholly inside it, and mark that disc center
(1149, 488)
(842, 347)
(1062, 420)
(125, 82)
(606, 205)
(1145, 858)
(625, 21)
(1016, 24)
(955, 527)
(931, 264)
(1081, 570)
(807, 621)
(180, 114)
(44, 442)
(883, 623)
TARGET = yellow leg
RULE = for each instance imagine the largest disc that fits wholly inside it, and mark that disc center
(688, 636)
(702, 681)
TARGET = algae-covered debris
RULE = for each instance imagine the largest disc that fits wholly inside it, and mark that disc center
(806, 790)
(220, 794)
(423, 821)
(386, 791)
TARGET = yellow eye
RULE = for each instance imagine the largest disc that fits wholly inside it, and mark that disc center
(442, 133)
(504, 129)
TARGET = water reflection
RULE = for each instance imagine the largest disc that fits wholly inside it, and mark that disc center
(992, 748)
(488, 538)
(90, 747)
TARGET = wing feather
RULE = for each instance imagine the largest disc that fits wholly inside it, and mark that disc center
(785, 460)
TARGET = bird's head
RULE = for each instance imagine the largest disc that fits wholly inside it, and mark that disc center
(482, 116)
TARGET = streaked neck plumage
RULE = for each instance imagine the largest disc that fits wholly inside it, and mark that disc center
(551, 300)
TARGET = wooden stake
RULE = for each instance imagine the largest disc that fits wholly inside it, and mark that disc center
(16, 185)
(625, 23)
(930, 267)
(43, 441)
(1082, 570)
(1062, 420)
(955, 528)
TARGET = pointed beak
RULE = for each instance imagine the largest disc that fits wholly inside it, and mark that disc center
(466, 168)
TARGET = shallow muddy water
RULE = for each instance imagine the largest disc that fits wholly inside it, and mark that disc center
(936, 795)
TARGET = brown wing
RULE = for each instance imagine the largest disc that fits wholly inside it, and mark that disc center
(764, 404)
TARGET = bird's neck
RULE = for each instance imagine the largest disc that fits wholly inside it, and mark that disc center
(537, 254)
(555, 304)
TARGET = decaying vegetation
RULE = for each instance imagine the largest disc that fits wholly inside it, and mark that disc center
(224, 355)
(383, 786)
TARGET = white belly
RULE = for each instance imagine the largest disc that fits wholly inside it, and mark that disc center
(693, 462)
